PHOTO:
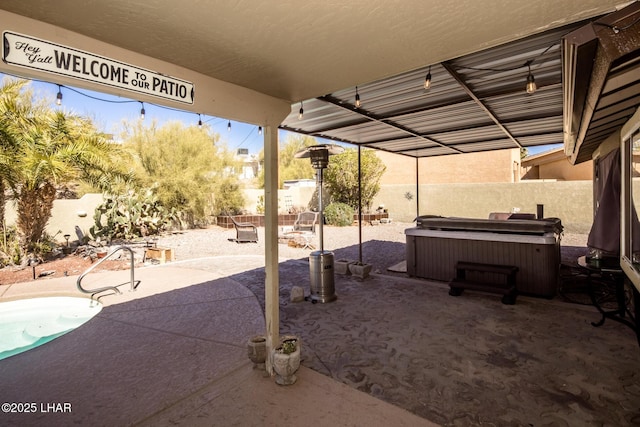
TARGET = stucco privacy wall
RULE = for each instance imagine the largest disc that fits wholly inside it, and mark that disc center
(66, 215)
(571, 201)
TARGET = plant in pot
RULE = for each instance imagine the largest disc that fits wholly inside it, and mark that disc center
(360, 269)
(286, 360)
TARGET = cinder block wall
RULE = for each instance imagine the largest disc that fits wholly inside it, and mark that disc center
(571, 201)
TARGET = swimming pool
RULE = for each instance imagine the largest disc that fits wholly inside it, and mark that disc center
(29, 323)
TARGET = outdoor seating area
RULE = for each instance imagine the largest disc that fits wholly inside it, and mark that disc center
(306, 221)
(245, 231)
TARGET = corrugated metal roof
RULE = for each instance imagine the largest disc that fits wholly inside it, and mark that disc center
(476, 103)
(602, 99)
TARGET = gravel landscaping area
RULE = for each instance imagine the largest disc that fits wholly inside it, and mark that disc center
(383, 245)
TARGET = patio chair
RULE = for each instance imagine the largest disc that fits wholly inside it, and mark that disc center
(245, 231)
(306, 221)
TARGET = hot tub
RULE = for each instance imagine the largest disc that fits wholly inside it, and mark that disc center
(437, 244)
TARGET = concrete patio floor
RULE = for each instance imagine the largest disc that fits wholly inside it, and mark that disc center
(172, 352)
(390, 351)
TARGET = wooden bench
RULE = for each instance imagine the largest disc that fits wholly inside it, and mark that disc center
(160, 254)
(508, 289)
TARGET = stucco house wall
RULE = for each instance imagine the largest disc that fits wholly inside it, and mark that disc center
(554, 164)
(488, 166)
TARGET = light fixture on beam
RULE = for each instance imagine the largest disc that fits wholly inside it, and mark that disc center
(531, 81)
(59, 96)
(427, 80)
(301, 112)
(358, 103)
(259, 130)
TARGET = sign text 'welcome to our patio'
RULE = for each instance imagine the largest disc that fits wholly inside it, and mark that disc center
(26, 51)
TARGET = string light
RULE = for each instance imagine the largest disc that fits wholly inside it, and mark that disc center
(229, 125)
(199, 121)
(59, 96)
(531, 82)
(110, 101)
(358, 103)
(142, 111)
(259, 130)
(300, 112)
(427, 80)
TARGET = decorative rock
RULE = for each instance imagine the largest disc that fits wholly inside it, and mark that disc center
(297, 294)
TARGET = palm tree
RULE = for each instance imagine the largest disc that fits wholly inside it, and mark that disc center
(10, 110)
(49, 148)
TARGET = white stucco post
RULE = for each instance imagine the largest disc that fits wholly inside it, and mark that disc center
(272, 280)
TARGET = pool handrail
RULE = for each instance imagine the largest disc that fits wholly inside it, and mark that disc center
(107, 288)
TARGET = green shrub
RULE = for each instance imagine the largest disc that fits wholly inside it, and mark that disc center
(339, 214)
(10, 251)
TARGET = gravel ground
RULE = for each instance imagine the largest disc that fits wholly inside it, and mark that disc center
(343, 241)
(383, 245)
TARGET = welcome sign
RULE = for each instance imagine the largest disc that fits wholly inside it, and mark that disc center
(26, 51)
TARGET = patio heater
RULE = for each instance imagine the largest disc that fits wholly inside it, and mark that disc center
(321, 261)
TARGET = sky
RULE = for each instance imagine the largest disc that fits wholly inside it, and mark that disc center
(108, 112)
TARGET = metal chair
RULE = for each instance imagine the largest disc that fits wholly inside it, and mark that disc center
(245, 231)
(306, 221)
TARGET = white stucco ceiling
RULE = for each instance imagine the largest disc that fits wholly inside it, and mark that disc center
(296, 50)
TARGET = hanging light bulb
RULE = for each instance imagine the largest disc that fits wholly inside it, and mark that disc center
(142, 111)
(300, 112)
(259, 130)
(531, 82)
(229, 125)
(358, 103)
(59, 96)
(199, 121)
(427, 80)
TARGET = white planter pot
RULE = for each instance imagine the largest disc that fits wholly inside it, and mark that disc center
(341, 266)
(360, 270)
(286, 365)
(257, 350)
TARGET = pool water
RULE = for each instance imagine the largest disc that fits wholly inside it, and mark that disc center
(29, 323)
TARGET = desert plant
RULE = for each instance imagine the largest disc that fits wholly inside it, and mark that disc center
(228, 197)
(41, 148)
(136, 214)
(339, 214)
(341, 177)
(290, 167)
(288, 346)
(191, 170)
(260, 205)
(10, 253)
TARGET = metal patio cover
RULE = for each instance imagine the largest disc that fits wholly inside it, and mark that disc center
(313, 54)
